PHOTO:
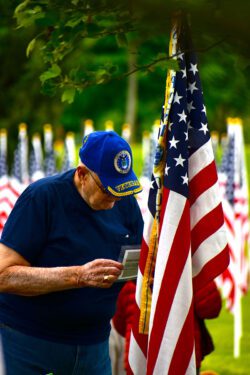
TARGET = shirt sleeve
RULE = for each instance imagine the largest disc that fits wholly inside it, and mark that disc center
(27, 226)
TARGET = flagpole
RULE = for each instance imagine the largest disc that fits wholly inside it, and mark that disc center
(237, 322)
(158, 172)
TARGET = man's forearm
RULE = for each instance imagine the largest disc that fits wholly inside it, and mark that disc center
(32, 281)
(26, 280)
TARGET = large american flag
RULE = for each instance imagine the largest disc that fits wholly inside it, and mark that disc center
(191, 243)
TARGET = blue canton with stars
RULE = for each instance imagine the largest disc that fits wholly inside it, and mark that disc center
(188, 128)
(3, 165)
(228, 167)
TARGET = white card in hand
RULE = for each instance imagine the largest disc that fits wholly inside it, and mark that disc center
(129, 257)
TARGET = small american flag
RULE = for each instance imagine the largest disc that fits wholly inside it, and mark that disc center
(49, 159)
(69, 160)
(190, 248)
(234, 189)
(36, 159)
(10, 187)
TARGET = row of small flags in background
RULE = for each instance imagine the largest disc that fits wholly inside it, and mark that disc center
(45, 158)
(41, 161)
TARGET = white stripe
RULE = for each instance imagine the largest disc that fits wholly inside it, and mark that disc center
(173, 212)
(209, 249)
(178, 313)
(9, 194)
(148, 223)
(200, 159)
(205, 203)
(136, 357)
(3, 180)
(5, 207)
(16, 185)
(191, 370)
(228, 211)
(138, 288)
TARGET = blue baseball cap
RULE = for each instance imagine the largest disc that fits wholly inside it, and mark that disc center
(110, 157)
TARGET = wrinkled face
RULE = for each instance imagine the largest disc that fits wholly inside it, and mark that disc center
(93, 192)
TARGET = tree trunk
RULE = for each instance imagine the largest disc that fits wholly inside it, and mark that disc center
(132, 91)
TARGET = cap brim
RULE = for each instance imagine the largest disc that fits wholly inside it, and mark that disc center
(122, 186)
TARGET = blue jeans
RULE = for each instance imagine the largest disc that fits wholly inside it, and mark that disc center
(27, 355)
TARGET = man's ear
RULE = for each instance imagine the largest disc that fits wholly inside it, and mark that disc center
(82, 171)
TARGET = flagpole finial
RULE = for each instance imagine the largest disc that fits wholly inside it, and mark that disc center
(88, 122)
(88, 125)
(47, 127)
(109, 125)
(22, 126)
(3, 132)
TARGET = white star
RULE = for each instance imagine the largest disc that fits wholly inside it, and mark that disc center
(192, 87)
(177, 98)
(193, 68)
(180, 56)
(182, 116)
(173, 142)
(152, 184)
(204, 109)
(189, 125)
(190, 106)
(186, 135)
(166, 169)
(203, 128)
(170, 126)
(185, 179)
(179, 161)
(184, 72)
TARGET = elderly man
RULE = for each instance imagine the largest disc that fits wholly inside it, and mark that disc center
(58, 262)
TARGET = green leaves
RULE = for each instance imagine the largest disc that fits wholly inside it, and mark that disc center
(26, 14)
(30, 47)
(69, 95)
(52, 72)
(121, 40)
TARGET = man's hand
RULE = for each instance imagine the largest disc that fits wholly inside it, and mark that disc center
(17, 276)
(101, 273)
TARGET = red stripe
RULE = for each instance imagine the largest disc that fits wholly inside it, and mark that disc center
(164, 205)
(174, 268)
(208, 225)
(185, 346)
(206, 178)
(212, 269)
(231, 253)
(3, 215)
(9, 187)
(6, 200)
(229, 224)
(143, 256)
(228, 277)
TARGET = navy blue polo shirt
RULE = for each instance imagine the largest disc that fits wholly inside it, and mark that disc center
(52, 226)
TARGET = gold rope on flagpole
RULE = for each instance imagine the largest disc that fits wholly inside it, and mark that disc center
(158, 171)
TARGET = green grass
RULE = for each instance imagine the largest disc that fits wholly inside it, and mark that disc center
(221, 359)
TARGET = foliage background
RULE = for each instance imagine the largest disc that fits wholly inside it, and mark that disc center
(79, 53)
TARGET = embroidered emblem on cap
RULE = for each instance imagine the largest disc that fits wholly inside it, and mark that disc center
(122, 162)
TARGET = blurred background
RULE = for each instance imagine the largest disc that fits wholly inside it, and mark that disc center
(65, 62)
